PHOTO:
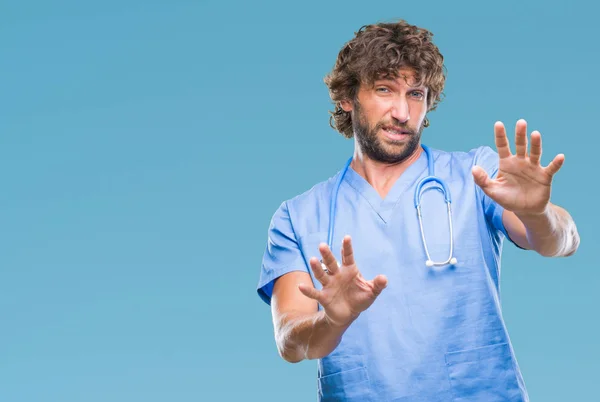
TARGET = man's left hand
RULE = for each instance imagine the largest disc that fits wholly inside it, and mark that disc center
(522, 184)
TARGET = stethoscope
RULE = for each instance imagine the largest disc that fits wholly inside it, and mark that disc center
(418, 194)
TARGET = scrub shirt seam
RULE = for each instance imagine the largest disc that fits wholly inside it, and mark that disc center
(298, 243)
(375, 208)
(489, 238)
(488, 224)
(426, 170)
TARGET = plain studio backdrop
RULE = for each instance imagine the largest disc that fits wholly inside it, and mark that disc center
(144, 146)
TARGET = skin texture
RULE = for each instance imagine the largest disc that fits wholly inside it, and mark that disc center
(381, 160)
(522, 187)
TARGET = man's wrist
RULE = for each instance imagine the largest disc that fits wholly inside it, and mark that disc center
(333, 324)
(533, 217)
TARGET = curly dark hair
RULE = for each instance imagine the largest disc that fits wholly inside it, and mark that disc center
(381, 50)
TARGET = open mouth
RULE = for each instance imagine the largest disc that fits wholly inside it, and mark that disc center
(396, 130)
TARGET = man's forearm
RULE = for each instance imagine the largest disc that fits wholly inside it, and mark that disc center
(307, 336)
(552, 233)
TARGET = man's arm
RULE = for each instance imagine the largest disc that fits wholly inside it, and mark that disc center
(301, 330)
(304, 332)
(552, 233)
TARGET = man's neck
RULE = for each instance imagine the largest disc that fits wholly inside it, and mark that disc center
(380, 175)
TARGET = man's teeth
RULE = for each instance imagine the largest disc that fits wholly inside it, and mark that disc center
(391, 130)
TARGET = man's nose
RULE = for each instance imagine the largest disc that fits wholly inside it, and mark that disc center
(400, 111)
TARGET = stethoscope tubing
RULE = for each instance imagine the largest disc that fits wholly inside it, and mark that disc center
(417, 202)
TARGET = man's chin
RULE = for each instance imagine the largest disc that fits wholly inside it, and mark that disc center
(395, 151)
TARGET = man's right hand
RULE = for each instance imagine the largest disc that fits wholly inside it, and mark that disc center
(345, 292)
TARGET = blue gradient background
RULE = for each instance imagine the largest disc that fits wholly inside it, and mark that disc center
(145, 145)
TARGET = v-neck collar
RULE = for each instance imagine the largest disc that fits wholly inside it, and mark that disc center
(385, 206)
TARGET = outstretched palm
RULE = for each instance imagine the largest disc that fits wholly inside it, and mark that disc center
(522, 184)
(345, 292)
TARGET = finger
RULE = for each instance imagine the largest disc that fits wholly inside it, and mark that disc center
(521, 138)
(317, 269)
(481, 177)
(502, 145)
(535, 153)
(310, 292)
(554, 166)
(328, 259)
(379, 283)
(347, 252)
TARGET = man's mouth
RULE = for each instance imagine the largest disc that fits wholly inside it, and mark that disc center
(396, 130)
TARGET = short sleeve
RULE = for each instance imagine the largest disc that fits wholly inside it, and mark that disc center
(488, 159)
(282, 253)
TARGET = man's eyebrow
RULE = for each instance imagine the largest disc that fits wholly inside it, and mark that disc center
(389, 81)
(394, 82)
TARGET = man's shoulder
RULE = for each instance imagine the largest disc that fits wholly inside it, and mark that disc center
(300, 214)
(310, 196)
(482, 155)
(470, 154)
(318, 193)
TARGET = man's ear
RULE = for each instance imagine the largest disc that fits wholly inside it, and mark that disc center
(346, 105)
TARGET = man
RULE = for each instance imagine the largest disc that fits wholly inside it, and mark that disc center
(406, 307)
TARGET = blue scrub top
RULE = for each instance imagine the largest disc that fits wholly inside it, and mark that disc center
(433, 334)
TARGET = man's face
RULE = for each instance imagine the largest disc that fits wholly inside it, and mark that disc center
(388, 118)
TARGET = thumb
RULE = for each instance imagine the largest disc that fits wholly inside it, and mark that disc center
(379, 283)
(310, 292)
(481, 177)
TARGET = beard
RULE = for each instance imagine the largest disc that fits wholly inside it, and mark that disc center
(375, 148)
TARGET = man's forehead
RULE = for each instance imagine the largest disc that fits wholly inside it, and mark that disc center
(403, 76)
